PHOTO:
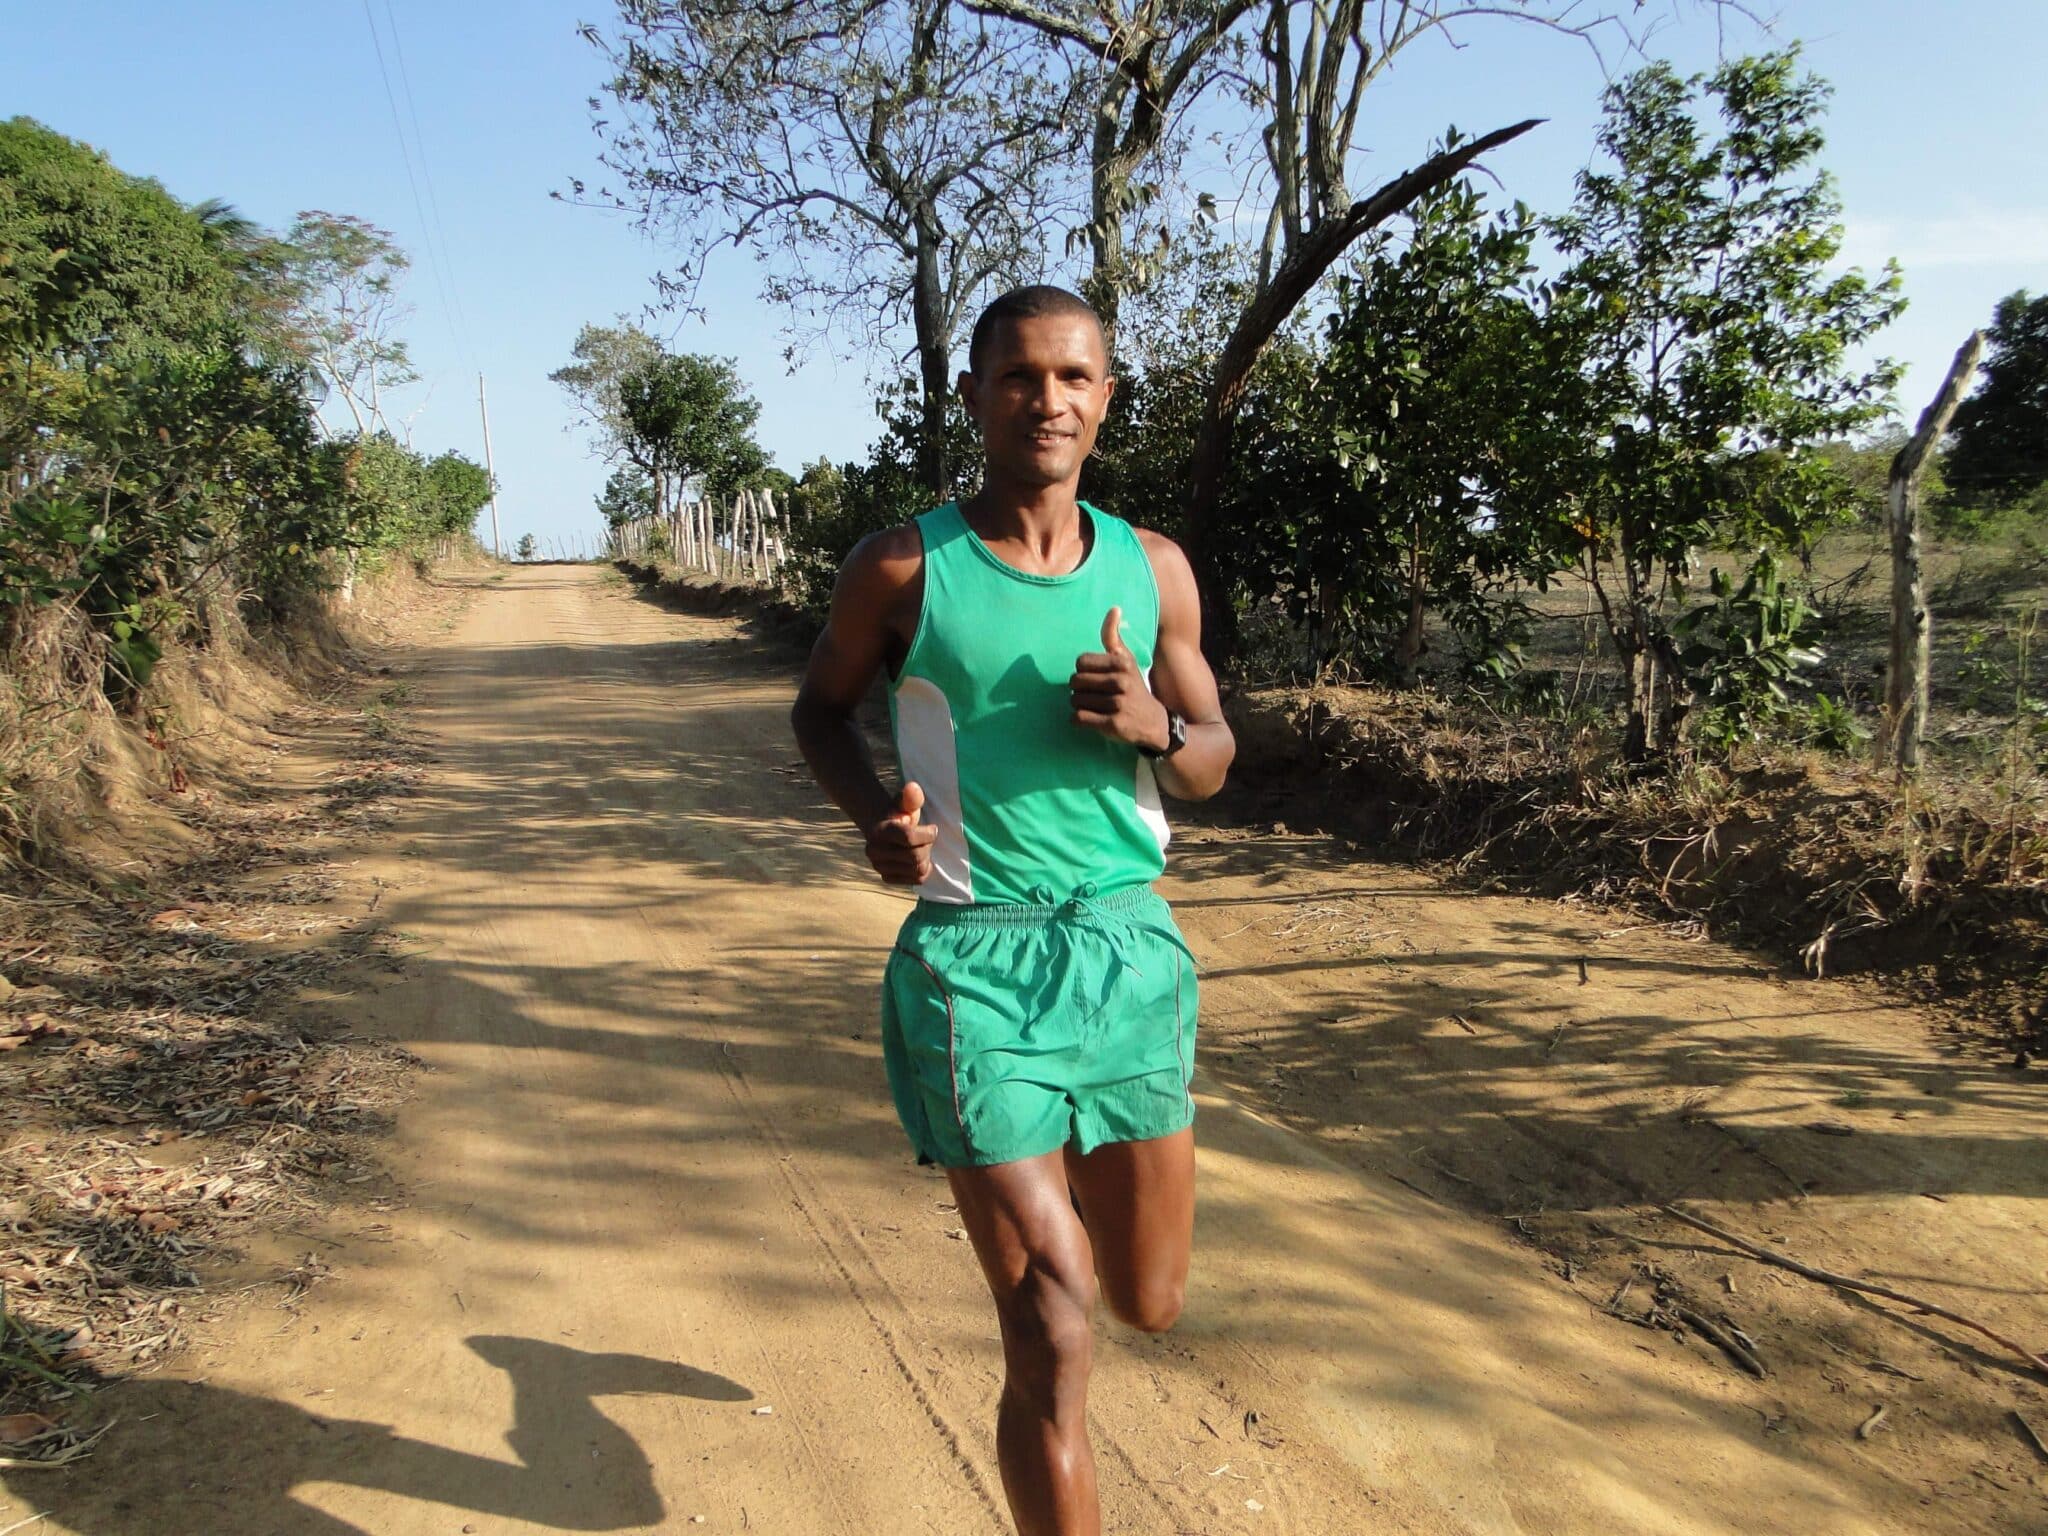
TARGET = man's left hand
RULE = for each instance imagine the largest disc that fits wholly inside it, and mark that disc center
(1109, 691)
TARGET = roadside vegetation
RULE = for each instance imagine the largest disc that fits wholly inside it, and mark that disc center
(1554, 542)
(173, 499)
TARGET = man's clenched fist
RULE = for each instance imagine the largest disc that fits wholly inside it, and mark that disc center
(900, 848)
(1109, 691)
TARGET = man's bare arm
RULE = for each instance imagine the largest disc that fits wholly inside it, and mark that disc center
(1110, 693)
(853, 648)
(1183, 681)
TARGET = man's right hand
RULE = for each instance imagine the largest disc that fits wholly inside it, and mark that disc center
(898, 847)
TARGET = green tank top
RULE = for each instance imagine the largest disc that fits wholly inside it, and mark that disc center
(1029, 806)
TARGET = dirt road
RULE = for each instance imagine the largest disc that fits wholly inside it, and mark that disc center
(655, 1256)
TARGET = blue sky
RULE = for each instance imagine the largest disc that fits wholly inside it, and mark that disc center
(1934, 138)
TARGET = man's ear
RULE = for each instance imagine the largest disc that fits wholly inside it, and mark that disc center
(965, 384)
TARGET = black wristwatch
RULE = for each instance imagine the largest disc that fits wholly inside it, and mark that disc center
(1176, 738)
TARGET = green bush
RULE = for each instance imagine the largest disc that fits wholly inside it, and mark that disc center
(157, 417)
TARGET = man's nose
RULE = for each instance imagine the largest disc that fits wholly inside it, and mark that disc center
(1046, 399)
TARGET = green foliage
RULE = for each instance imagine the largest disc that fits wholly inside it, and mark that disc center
(627, 497)
(394, 499)
(834, 509)
(1712, 336)
(1999, 440)
(1450, 431)
(157, 416)
(1832, 726)
(526, 549)
(689, 418)
(1742, 648)
(98, 263)
(1375, 469)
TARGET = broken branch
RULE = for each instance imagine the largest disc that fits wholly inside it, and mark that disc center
(1849, 1282)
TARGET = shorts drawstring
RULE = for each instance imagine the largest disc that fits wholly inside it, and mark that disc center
(1083, 905)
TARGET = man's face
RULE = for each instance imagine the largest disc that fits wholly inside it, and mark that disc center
(1039, 397)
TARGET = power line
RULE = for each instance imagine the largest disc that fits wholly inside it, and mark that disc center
(405, 154)
(419, 143)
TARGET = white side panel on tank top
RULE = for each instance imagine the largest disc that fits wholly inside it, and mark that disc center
(1150, 811)
(924, 740)
(1146, 791)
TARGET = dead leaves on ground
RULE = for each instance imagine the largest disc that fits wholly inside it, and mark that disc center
(163, 1090)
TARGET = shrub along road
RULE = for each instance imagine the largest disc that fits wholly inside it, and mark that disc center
(657, 1250)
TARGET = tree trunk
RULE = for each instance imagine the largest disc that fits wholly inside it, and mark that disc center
(1408, 653)
(1636, 741)
(934, 361)
(1304, 267)
(1905, 691)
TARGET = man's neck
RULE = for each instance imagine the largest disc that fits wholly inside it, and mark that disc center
(1043, 520)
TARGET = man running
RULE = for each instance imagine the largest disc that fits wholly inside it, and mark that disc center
(1038, 1012)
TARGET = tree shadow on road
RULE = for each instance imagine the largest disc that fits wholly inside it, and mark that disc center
(239, 1459)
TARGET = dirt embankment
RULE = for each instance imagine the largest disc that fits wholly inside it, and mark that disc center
(1940, 889)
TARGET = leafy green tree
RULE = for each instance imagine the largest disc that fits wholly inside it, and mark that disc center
(1713, 338)
(390, 499)
(347, 312)
(526, 549)
(1426, 394)
(602, 356)
(158, 443)
(100, 263)
(1998, 445)
(454, 490)
(164, 468)
(689, 418)
(628, 496)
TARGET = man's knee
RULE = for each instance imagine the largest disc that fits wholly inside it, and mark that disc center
(1150, 1306)
(1048, 1326)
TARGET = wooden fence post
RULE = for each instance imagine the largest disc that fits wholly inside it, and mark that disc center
(1904, 721)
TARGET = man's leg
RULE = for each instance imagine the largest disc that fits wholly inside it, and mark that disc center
(1036, 1255)
(1138, 1201)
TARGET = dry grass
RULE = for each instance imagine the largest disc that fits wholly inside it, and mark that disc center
(1942, 883)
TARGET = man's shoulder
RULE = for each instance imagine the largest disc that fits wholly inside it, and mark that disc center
(888, 547)
(882, 567)
(1163, 552)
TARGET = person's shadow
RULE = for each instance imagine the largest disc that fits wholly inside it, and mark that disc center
(188, 1459)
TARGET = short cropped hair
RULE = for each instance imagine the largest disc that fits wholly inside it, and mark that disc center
(1027, 303)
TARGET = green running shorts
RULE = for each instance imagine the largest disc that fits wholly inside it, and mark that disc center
(1010, 1031)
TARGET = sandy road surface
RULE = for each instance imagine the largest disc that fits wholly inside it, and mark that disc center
(651, 1190)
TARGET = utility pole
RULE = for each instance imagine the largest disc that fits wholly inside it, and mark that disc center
(497, 544)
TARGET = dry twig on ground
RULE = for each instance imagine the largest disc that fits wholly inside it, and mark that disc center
(1850, 1282)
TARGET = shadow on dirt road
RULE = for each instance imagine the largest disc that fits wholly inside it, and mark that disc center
(238, 1459)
